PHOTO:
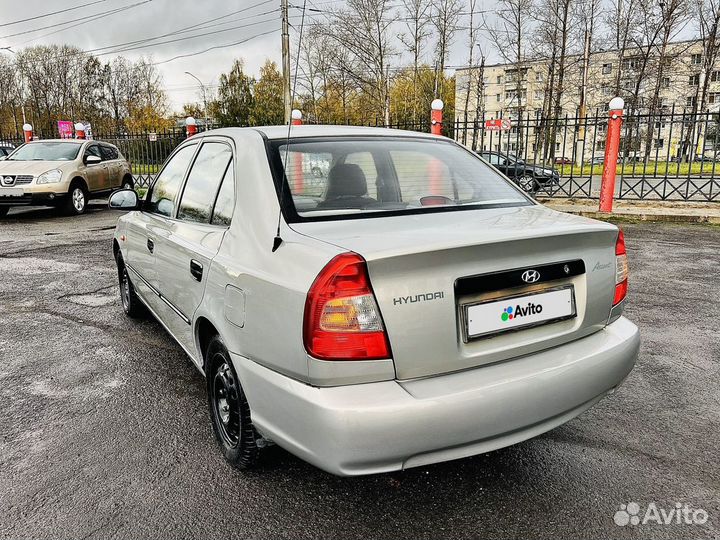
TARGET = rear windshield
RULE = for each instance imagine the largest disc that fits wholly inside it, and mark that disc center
(362, 177)
(46, 151)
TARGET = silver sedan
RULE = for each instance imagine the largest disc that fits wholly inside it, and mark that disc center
(408, 306)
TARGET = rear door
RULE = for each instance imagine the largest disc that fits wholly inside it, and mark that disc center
(112, 164)
(153, 223)
(192, 239)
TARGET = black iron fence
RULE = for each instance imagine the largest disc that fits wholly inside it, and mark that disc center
(670, 155)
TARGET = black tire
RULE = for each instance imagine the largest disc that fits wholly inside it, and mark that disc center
(132, 305)
(127, 182)
(528, 184)
(229, 409)
(4, 211)
(77, 199)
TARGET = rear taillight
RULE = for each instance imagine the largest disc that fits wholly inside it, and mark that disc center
(342, 318)
(621, 270)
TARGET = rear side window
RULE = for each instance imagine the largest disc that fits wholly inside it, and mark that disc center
(108, 152)
(203, 182)
(167, 185)
(222, 214)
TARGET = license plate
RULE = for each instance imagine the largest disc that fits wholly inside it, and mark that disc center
(516, 312)
(11, 192)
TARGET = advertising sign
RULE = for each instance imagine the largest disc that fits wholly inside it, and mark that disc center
(66, 129)
(498, 124)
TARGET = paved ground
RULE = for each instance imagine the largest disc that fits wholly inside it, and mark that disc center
(104, 431)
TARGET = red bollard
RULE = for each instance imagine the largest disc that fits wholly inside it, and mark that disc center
(612, 148)
(296, 117)
(28, 132)
(79, 130)
(436, 117)
(190, 126)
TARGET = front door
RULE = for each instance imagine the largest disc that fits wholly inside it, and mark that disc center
(153, 224)
(193, 239)
(95, 173)
(112, 164)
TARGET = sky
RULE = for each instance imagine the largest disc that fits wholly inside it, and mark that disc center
(225, 23)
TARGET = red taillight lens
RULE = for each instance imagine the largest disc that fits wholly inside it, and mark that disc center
(621, 270)
(342, 319)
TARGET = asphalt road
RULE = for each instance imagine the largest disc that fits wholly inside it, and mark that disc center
(104, 431)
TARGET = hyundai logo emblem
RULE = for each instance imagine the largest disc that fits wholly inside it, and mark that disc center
(530, 276)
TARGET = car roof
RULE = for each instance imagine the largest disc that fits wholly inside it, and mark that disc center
(71, 141)
(281, 132)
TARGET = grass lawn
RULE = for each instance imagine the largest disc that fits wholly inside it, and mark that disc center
(655, 168)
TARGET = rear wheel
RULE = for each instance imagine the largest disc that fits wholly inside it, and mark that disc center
(132, 306)
(77, 199)
(229, 409)
(528, 184)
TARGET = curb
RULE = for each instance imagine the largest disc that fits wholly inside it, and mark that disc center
(641, 216)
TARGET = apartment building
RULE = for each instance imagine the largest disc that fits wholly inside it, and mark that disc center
(496, 96)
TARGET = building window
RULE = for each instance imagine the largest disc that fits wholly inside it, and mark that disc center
(694, 80)
(628, 63)
(660, 125)
(666, 82)
(714, 98)
(696, 59)
(538, 77)
(664, 104)
(600, 145)
(607, 69)
(658, 143)
(499, 79)
(715, 76)
(510, 95)
(691, 101)
(497, 97)
(539, 94)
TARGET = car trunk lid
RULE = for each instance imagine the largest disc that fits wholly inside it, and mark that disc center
(427, 269)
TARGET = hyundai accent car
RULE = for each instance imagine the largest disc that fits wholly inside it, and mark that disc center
(413, 308)
(62, 173)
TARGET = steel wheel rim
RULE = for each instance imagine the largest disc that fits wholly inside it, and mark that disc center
(78, 199)
(226, 403)
(125, 289)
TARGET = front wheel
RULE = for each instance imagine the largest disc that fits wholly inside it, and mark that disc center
(132, 306)
(76, 202)
(229, 409)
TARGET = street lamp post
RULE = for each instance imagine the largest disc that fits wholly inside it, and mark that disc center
(202, 87)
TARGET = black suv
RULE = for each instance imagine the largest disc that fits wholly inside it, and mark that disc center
(530, 178)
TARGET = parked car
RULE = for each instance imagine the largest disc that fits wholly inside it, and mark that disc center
(421, 308)
(5, 149)
(63, 173)
(530, 178)
(563, 161)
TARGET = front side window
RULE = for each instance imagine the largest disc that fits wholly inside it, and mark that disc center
(167, 184)
(93, 150)
(203, 182)
(46, 151)
(368, 176)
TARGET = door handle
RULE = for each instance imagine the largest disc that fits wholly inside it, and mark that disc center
(196, 269)
(150, 245)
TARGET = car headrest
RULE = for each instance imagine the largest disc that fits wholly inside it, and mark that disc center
(346, 180)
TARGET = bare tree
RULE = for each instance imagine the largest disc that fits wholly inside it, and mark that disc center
(510, 35)
(417, 23)
(445, 18)
(362, 28)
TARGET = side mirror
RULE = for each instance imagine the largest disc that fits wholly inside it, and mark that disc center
(92, 160)
(125, 199)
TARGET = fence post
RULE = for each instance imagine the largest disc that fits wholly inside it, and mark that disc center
(436, 116)
(190, 126)
(79, 130)
(612, 147)
(28, 131)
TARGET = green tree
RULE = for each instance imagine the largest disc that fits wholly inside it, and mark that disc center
(268, 108)
(234, 104)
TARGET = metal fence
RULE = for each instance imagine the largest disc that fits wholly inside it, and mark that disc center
(670, 155)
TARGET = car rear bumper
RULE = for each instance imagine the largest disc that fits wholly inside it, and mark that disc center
(393, 425)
